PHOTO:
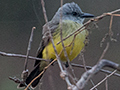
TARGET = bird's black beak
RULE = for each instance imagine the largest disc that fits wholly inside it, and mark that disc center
(87, 15)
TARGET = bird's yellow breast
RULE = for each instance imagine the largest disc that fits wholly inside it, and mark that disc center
(73, 44)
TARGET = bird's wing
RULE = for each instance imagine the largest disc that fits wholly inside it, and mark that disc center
(45, 38)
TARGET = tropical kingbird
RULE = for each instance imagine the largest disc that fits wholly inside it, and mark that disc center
(72, 19)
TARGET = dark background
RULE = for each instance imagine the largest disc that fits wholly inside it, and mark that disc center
(17, 17)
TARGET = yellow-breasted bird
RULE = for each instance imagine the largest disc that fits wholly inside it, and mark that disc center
(72, 19)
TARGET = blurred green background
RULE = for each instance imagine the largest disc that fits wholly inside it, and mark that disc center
(17, 17)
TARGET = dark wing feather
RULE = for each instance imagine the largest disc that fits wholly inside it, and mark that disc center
(45, 38)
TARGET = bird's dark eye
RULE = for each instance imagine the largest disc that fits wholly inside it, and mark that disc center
(74, 13)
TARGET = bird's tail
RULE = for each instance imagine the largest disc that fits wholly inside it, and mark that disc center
(31, 76)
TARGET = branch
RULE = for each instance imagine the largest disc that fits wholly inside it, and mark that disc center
(20, 56)
(105, 50)
(63, 73)
(64, 50)
(24, 74)
(29, 47)
(46, 20)
(19, 82)
(89, 67)
(103, 80)
(95, 69)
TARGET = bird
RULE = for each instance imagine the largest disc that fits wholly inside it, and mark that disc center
(72, 19)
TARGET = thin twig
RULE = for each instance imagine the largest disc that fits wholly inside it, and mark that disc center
(84, 64)
(118, 15)
(103, 39)
(20, 56)
(103, 79)
(118, 10)
(40, 74)
(29, 47)
(105, 50)
(16, 80)
(95, 68)
(110, 29)
(106, 84)
(63, 73)
(102, 70)
(110, 33)
(44, 11)
(65, 53)
(45, 17)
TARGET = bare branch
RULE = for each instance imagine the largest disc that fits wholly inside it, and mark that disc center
(105, 50)
(20, 56)
(95, 69)
(103, 80)
(106, 83)
(45, 16)
(103, 39)
(84, 64)
(16, 80)
(24, 74)
(89, 67)
(29, 47)
(65, 52)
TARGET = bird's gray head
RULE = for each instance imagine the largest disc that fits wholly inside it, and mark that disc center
(71, 11)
